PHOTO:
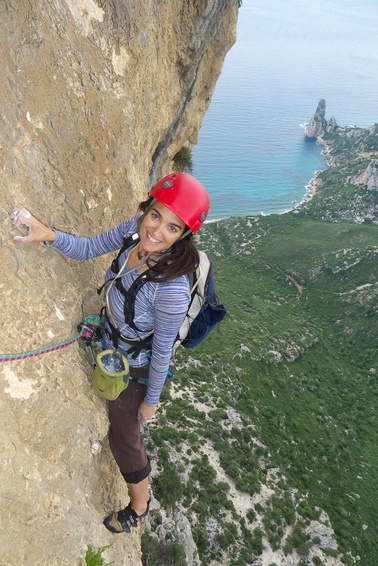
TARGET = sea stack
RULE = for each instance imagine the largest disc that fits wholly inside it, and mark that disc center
(316, 125)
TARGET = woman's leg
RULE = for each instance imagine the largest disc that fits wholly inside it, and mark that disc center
(128, 449)
(125, 438)
(139, 496)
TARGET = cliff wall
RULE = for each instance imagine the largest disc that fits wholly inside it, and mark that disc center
(96, 99)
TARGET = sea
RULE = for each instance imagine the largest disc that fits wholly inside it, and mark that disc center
(252, 154)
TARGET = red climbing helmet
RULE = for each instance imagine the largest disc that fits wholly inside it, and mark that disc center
(185, 196)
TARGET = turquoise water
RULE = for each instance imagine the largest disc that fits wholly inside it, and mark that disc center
(252, 154)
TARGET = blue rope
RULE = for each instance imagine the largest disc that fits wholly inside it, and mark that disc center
(92, 319)
(31, 353)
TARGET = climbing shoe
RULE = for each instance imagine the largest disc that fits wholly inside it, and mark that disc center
(122, 521)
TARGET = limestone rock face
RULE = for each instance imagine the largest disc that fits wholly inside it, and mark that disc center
(373, 130)
(97, 97)
(174, 526)
(315, 127)
(369, 177)
(331, 125)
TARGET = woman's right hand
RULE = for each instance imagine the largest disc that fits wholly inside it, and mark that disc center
(37, 232)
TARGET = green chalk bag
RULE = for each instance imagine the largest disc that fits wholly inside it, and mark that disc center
(110, 377)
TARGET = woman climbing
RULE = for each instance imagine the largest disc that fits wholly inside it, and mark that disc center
(165, 250)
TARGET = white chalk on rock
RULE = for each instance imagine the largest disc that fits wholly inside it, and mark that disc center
(96, 447)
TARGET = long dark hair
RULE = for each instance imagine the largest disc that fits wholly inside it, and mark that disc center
(181, 258)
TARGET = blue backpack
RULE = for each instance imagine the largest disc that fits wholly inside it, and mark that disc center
(204, 311)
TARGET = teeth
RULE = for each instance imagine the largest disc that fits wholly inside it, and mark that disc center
(152, 239)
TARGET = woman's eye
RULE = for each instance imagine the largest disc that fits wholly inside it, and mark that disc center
(154, 215)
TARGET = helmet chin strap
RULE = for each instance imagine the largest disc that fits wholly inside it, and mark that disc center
(184, 235)
(178, 239)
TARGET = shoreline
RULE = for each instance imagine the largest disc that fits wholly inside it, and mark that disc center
(315, 183)
(312, 188)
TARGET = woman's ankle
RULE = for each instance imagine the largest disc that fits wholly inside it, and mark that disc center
(140, 509)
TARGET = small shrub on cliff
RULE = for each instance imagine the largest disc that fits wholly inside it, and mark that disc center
(155, 552)
(95, 558)
(182, 161)
(168, 486)
(200, 538)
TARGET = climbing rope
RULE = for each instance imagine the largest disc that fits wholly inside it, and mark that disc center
(52, 348)
(86, 330)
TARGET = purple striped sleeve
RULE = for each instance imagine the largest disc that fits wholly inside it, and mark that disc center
(80, 248)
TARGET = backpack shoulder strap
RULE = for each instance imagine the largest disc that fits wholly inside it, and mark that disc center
(127, 242)
(130, 295)
(204, 274)
(198, 288)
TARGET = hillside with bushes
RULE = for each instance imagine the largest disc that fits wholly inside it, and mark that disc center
(266, 440)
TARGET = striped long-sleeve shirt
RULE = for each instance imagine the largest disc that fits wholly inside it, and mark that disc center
(158, 306)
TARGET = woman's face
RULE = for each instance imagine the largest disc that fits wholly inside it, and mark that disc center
(160, 228)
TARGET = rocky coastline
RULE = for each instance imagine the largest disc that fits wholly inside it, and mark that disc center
(315, 183)
(351, 154)
(315, 129)
(312, 187)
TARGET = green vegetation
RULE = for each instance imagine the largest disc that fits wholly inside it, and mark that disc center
(95, 558)
(168, 477)
(341, 197)
(183, 161)
(157, 553)
(286, 394)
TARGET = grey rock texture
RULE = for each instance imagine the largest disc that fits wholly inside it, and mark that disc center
(373, 130)
(315, 127)
(97, 97)
(331, 125)
(369, 177)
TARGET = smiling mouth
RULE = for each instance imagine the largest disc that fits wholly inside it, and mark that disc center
(152, 240)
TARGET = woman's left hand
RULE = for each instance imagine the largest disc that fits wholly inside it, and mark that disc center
(146, 412)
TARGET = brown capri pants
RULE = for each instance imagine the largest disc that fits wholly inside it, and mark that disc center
(125, 438)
